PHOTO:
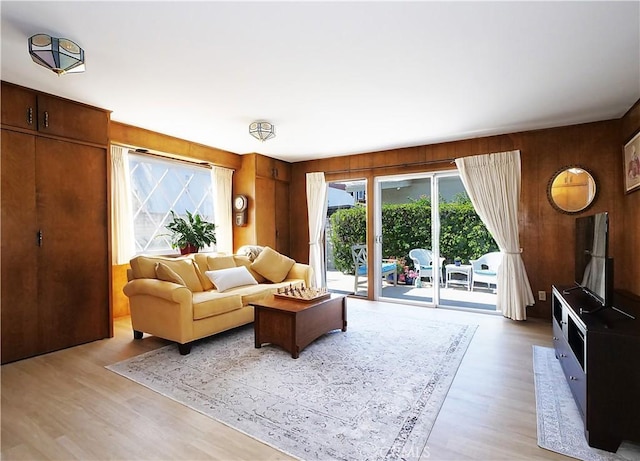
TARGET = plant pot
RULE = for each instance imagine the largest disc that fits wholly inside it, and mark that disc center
(188, 249)
(457, 263)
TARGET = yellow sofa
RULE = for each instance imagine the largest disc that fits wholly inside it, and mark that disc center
(190, 307)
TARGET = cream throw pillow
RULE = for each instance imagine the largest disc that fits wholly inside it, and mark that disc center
(164, 272)
(225, 279)
(272, 265)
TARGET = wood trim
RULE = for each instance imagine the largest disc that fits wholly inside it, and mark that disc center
(140, 138)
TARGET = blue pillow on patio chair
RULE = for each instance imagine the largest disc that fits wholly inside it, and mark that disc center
(359, 254)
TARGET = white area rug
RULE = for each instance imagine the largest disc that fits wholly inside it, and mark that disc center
(560, 426)
(373, 392)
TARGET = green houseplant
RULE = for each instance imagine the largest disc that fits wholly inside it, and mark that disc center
(192, 233)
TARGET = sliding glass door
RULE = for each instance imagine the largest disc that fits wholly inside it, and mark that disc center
(432, 242)
(346, 238)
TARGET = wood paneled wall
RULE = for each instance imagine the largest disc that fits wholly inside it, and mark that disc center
(546, 236)
(629, 278)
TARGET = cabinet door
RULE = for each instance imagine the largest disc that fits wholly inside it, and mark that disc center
(282, 217)
(282, 171)
(18, 107)
(73, 283)
(265, 221)
(265, 166)
(19, 248)
(71, 120)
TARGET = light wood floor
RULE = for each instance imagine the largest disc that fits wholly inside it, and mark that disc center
(66, 405)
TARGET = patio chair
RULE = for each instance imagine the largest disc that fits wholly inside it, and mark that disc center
(359, 254)
(485, 269)
(423, 263)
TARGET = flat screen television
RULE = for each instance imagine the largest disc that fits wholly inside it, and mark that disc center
(593, 267)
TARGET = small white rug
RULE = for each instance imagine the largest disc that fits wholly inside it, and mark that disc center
(373, 392)
(560, 426)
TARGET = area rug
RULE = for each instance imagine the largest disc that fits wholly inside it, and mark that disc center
(373, 392)
(560, 426)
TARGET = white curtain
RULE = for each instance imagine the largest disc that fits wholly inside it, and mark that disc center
(317, 210)
(222, 180)
(493, 184)
(122, 236)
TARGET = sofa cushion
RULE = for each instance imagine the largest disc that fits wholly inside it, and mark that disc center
(164, 272)
(210, 303)
(204, 280)
(145, 267)
(215, 263)
(272, 265)
(246, 262)
(232, 277)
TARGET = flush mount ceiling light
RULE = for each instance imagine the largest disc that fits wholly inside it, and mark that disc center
(61, 55)
(262, 130)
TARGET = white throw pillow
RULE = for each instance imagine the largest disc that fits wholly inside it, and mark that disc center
(225, 279)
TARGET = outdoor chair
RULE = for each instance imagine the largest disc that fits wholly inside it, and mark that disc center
(423, 263)
(485, 269)
(359, 254)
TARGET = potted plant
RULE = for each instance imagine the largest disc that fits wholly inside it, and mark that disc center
(190, 234)
(457, 261)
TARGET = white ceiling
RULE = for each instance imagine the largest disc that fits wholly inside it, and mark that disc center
(337, 78)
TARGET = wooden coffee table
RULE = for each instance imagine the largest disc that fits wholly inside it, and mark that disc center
(293, 324)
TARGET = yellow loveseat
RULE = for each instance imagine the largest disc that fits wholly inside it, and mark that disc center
(175, 298)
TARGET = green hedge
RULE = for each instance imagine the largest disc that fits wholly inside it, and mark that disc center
(408, 226)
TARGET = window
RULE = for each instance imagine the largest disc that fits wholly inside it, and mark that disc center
(159, 186)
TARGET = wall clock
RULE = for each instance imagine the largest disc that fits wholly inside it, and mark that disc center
(240, 203)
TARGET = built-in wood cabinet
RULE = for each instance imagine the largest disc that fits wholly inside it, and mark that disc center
(268, 167)
(55, 283)
(54, 116)
(265, 181)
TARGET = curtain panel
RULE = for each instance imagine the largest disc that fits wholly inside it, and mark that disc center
(222, 181)
(493, 183)
(317, 211)
(122, 237)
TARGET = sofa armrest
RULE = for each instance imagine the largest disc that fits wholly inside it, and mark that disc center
(301, 271)
(158, 288)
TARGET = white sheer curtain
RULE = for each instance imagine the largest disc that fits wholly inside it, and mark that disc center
(317, 210)
(493, 184)
(122, 236)
(222, 180)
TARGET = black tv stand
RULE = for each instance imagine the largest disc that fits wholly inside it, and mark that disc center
(566, 291)
(600, 308)
(598, 349)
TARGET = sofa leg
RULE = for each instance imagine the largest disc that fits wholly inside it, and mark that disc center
(184, 348)
(137, 334)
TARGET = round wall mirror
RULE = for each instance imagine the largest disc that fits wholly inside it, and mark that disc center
(571, 189)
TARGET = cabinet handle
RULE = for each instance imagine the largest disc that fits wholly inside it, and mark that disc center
(563, 355)
(46, 119)
(573, 378)
(30, 116)
(555, 338)
(39, 237)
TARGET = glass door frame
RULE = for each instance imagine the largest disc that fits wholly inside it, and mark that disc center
(435, 229)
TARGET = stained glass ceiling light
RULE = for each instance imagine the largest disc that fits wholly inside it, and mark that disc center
(262, 130)
(60, 55)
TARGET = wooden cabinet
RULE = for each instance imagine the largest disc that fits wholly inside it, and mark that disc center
(268, 167)
(19, 107)
(55, 283)
(53, 116)
(599, 356)
(265, 181)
